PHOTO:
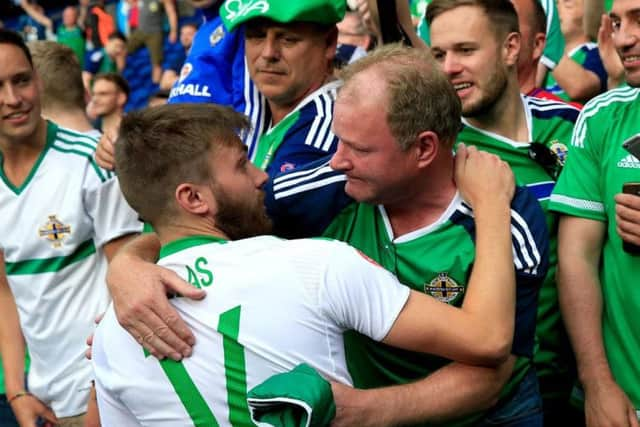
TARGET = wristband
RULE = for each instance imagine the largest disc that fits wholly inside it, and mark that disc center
(18, 395)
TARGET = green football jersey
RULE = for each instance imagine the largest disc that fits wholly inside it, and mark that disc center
(302, 136)
(550, 123)
(597, 169)
(74, 39)
(436, 260)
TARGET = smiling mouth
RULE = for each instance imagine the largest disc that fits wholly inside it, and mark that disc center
(461, 86)
(630, 59)
(16, 115)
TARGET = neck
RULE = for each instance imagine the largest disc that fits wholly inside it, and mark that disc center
(70, 118)
(280, 110)
(426, 204)
(111, 122)
(19, 157)
(527, 78)
(180, 229)
(506, 117)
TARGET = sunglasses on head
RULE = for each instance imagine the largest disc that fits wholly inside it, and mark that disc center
(548, 159)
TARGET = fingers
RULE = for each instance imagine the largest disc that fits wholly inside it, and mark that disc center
(628, 217)
(88, 352)
(48, 415)
(160, 331)
(633, 418)
(462, 153)
(105, 152)
(175, 284)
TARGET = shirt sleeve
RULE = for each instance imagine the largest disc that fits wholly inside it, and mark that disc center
(359, 294)
(112, 216)
(530, 242)
(578, 191)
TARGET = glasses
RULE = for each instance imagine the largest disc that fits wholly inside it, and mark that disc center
(551, 159)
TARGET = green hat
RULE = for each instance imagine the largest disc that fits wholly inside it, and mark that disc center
(235, 12)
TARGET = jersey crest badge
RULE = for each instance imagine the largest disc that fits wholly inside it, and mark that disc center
(216, 35)
(55, 231)
(287, 167)
(185, 71)
(443, 288)
(560, 151)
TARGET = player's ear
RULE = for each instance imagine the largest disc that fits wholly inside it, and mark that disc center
(426, 147)
(511, 48)
(195, 199)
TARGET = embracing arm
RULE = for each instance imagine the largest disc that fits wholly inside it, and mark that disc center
(139, 291)
(580, 243)
(481, 331)
(38, 16)
(462, 390)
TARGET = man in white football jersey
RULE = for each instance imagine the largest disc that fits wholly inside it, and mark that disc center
(274, 303)
(61, 215)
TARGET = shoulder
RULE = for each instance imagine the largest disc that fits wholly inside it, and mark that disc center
(547, 108)
(76, 146)
(622, 97)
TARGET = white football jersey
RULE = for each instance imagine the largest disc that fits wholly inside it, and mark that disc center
(54, 226)
(271, 304)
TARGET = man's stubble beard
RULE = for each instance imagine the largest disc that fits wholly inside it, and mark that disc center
(241, 219)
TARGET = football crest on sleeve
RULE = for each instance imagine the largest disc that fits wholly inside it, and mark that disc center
(216, 35)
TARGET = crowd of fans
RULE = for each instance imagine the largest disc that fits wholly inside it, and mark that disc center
(362, 121)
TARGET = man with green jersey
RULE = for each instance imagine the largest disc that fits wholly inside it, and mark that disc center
(205, 201)
(407, 213)
(597, 278)
(477, 44)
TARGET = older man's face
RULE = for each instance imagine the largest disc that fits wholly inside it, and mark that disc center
(288, 61)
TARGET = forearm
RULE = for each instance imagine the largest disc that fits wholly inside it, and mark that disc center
(580, 295)
(581, 305)
(493, 272)
(144, 247)
(36, 15)
(578, 83)
(461, 389)
(12, 346)
(404, 19)
(113, 246)
(172, 15)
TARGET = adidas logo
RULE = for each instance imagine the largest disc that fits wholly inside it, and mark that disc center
(629, 162)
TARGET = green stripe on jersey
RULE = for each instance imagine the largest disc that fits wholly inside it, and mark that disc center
(186, 243)
(101, 174)
(234, 368)
(51, 132)
(51, 265)
(187, 392)
(269, 142)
